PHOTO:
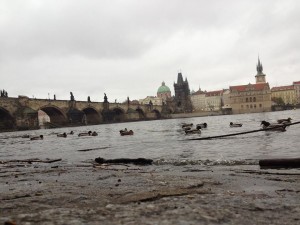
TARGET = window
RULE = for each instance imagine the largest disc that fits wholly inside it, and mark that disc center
(250, 99)
(246, 99)
(254, 99)
(260, 105)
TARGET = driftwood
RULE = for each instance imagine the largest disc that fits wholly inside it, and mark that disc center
(136, 161)
(103, 167)
(279, 163)
(16, 197)
(153, 195)
(229, 135)
(91, 149)
(267, 173)
(35, 160)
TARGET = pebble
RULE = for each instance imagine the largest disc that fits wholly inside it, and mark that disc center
(150, 206)
(110, 206)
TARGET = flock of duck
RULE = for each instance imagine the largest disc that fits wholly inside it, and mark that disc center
(64, 135)
(279, 126)
(126, 132)
(187, 127)
(89, 133)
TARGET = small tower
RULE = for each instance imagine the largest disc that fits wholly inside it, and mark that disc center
(260, 76)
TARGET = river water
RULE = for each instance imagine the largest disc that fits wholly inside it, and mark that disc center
(163, 141)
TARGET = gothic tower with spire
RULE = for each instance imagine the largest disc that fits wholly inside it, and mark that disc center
(260, 76)
(182, 98)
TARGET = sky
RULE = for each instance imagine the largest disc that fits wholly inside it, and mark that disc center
(127, 48)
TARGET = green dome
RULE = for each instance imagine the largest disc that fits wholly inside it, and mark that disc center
(163, 88)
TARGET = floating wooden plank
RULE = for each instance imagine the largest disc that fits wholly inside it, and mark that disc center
(279, 163)
(92, 149)
(136, 161)
(35, 160)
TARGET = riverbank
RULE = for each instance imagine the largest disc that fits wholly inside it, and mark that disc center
(90, 193)
(195, 114)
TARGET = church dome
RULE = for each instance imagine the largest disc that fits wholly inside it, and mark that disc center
(163, 88)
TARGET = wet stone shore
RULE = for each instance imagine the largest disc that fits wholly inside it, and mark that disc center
(90, 193)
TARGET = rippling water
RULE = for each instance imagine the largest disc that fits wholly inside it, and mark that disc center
(162, 140)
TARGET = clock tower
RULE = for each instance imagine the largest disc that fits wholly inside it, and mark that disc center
(260, 76)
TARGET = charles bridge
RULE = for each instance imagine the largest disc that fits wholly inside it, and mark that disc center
(22, 112)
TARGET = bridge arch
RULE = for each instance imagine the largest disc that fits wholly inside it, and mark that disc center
(141, 113)
(118, 114)
(157, 113)
(114, 115)
(57, 117)
(7, 121)
(168, 110)
(92, 116)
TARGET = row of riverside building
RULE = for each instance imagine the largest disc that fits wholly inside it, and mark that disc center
(249, 98)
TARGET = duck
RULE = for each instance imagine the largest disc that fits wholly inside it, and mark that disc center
(284, 121)
(201, 125)
(62, 135)
(94, 133)
(72, 132)
(25, 136)
(193, 131)
(41, 137)
(185, 125)
(235, 124)
(187, 128)
(126, 132)
(85, 134)
(273, 127)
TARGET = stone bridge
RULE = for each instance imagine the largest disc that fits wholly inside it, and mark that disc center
(22, 112)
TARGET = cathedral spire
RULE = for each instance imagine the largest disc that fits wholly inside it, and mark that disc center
(259, 67)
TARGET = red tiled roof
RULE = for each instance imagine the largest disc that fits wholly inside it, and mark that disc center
(296, 82)
(248, 87)
(199, 92)
(283, 88)
(213, 93)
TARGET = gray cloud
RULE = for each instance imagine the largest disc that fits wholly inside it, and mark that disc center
(127, 48)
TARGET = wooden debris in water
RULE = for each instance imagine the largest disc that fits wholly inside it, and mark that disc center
(33, 160)
(279, 163)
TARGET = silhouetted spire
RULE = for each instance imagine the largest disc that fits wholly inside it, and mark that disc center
(259, 67)
(179, 78)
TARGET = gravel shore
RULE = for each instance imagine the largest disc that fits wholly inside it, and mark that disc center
(89, 193)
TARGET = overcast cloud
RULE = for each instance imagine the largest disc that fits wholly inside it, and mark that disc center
(128, 47)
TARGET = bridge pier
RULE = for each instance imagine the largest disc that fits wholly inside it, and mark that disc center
(27, 118)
